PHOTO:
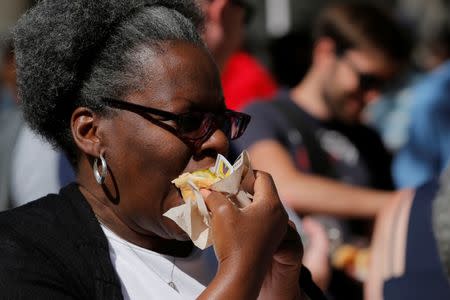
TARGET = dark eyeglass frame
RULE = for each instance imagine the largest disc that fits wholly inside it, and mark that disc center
(366, 82)
(210, 122)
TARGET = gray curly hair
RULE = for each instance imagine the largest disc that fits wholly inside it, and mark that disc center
(71, 53)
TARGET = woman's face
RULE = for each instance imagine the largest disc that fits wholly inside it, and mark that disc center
(144, 158)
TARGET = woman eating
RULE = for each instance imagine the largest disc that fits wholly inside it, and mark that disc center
(127, 89)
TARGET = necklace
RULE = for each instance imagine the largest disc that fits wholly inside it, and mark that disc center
(171, 283)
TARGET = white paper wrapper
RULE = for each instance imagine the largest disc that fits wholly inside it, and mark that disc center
(193, 216)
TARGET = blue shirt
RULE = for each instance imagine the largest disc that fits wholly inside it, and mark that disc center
(427, 151)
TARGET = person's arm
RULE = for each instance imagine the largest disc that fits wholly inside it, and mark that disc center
(316, 256)
(388, 247)
(313, 194)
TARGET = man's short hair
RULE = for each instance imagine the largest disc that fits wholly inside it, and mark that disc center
(363, 26)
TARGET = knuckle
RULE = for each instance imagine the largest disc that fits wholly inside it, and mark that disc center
(224, 210)
(277, 210)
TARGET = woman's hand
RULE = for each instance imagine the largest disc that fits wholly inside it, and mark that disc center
(254, 245)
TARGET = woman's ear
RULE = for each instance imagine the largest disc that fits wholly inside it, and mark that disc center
(84, 125)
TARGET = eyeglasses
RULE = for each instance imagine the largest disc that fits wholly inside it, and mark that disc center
(193, 128)
(367, 82)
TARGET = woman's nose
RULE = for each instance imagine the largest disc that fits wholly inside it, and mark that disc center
(217, 143)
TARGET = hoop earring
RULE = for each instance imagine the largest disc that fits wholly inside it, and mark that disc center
(100, 176)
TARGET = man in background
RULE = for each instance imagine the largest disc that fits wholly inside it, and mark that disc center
(315, 127)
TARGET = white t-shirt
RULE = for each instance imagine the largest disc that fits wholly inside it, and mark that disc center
(145, 274)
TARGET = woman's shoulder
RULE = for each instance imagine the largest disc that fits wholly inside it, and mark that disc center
(32, 211)
(53, 240)
(53, 221)
(48, 210)
(26, 228)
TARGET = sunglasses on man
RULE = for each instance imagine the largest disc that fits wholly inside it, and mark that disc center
(193, 128)
(367, 82)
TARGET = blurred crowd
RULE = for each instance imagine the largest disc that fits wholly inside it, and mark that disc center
(350, 107)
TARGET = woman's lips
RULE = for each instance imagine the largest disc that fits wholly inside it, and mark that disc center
(204, 164)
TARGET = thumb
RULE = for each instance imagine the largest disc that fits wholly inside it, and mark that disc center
(216, 201)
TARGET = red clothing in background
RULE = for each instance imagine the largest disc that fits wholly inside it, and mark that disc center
(244, 80)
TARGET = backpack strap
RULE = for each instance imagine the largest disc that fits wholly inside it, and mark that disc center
(318, 158)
